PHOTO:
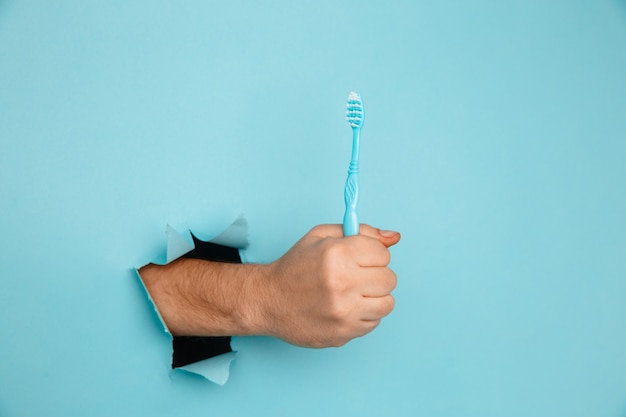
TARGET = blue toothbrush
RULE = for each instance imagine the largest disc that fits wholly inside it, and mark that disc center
(354, 114)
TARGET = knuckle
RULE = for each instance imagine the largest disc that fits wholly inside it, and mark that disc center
(392, 280)
(333, 285)
(338, 311)
(374, 324)
(318, 229)
(388, 305)
(335, 273)
(369, 327)
(333, 249)
(386, 256)
(369, 230)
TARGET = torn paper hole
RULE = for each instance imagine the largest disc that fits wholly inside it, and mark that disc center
(209, 357)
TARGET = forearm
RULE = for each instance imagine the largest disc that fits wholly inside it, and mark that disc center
(203, 298)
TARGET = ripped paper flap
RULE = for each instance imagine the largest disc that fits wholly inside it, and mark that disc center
(177, 244)
(216, 369)
(235, 235)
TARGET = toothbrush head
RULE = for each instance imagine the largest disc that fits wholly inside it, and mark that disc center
(354, 110)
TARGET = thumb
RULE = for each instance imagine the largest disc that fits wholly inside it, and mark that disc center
(386, 237)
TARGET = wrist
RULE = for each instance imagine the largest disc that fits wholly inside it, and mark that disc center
(252, 308)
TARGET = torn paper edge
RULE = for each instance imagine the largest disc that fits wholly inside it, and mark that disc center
(177, 244)
(235, 235)
(217, 368)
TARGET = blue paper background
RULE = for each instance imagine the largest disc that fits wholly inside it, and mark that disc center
(495, 141)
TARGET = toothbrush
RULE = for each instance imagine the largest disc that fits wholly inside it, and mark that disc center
(354, 114)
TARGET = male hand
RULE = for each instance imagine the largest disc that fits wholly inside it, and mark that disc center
(328, 289)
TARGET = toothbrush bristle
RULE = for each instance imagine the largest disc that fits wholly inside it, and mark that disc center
(354, 110)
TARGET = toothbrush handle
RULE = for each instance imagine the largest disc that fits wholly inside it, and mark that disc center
(351, 196)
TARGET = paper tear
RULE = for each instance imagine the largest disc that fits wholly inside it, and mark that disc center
(235, 235)
(177, 245)
(156, 310)
(217, 368)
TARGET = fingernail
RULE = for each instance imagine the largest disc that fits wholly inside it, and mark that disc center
(388, 233)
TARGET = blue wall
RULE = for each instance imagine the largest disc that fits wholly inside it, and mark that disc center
(495, 141)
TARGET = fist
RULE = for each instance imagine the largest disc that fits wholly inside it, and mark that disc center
(328, 289)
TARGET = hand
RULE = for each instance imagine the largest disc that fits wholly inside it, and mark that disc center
(328, 289)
